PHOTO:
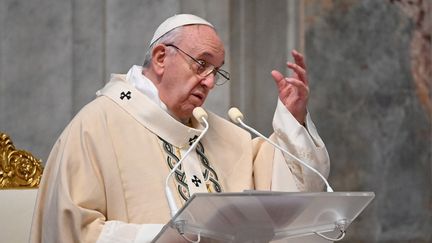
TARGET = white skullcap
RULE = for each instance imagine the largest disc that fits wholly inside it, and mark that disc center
(177, 21)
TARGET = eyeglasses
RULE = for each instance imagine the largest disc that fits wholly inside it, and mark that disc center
(204, 68)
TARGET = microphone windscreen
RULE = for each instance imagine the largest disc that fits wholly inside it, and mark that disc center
(234, 114)
(199, 113)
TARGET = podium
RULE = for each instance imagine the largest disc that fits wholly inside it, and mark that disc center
(258, 216)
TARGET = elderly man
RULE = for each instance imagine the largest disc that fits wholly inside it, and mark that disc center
(105, 177)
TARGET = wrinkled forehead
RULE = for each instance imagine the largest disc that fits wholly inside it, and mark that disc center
(202, 40)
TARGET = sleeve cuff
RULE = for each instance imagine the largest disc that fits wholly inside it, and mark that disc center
(285, 124)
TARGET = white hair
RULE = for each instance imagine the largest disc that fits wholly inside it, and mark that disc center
(170, 37)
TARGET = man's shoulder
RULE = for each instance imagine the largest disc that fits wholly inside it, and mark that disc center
(89, 121)
(94, 113)
(96, 107)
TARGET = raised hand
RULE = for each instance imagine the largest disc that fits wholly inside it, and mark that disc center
(294, 90)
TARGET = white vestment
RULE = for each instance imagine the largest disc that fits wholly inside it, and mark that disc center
(105, 176)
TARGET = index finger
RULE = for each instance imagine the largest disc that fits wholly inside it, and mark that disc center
(301, 72)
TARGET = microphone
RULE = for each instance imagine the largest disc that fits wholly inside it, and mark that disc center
(201, 115)
(237, 117)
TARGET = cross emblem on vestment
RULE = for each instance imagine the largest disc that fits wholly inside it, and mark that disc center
(127, 95)
(191, 140)
(196, 181)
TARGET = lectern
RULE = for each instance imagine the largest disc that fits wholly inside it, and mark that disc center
(256, 216)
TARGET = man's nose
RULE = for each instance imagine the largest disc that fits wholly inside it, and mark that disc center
(209, 80)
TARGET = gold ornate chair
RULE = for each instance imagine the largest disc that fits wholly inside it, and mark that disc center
(18, 168)
(20, 175)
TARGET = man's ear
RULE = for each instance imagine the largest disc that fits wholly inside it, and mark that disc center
(158, 58)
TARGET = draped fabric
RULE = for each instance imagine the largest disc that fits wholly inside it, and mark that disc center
(105, 177)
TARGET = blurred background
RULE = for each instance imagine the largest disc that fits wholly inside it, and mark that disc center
(369, 65)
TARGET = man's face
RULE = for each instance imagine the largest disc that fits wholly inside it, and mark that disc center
(181, 88)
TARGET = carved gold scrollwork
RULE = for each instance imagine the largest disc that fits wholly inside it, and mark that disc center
(18, 168)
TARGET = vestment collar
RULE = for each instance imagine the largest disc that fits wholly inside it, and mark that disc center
(147, 112)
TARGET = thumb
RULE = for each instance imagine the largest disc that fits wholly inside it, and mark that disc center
(277, 76)
(279, 79)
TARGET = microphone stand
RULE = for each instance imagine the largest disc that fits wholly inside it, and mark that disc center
(199, 114)
(237, 117)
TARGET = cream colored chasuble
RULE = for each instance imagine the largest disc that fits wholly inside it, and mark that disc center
(189, 177)
(104, 179)
(196, 174)
(282, 176)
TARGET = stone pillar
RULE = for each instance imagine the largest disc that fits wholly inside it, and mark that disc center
(88, 55)
(259, 42)
(36, 72)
